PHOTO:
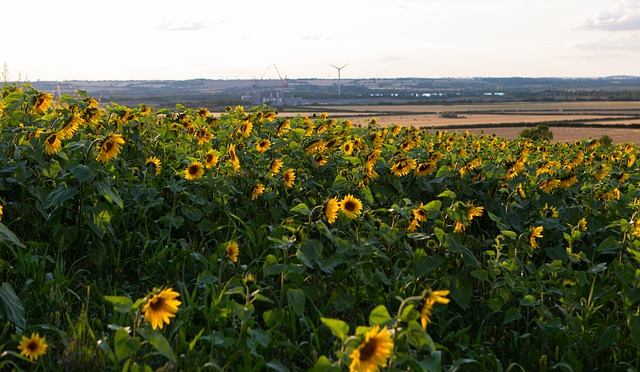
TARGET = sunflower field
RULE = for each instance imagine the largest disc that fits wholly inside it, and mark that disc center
(141, 239)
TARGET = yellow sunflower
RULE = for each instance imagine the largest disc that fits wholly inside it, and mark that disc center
(32, 347)
(42, 103)
(155, 163)
(0, 212)
(289, 177)
(331, 208)
(263, 145)
(347, 148)
(110, 148)
(275, 165)
(549, 211)
(425, 168)
(233, 157)
(320, 160)
(203, 112)
(435, 297)
(52, 144)
(403, 167)
(71, 127)
(419, 214)
(373, 352)
(256, 191)
(160, 307)
(351, 206)
(536, 232)
(474, 211)
(232, 250)
(194, 171)
(211, 159)
(246, 128)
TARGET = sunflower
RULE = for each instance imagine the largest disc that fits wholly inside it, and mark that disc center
(155, 163)
(232, 249)
(582, 224)
(549, 211)
(263, 145)
(91, 103)
(331, 208)
(351, 206)
(52, 144)
(256, 191)
(474, 211)
(289, 177)
(373, 352)
(435, 297)
(347, 148)
(275, 165)
(403, 167)
(42, 103)
(0, 212)
(413, 225)
(211, 159)
(160, 307)
(320, 160)
(71, 127)
(233, 157)
(425, 168)
(32, 347)
(194, 171)
(536, 232)
(246, 128)
(419, 214)
(110, 148)
(203, 112)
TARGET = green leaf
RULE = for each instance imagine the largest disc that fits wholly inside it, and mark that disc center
(83, 173)
(448, 194)
(339, 328)
(323, 365)
(271, 266)
(296, 299)
(277, 365)
(158, 341)
(340, 182)
(192, 344)
(380, 315)
(302, 209)
(424, 264)
(511, 315)
(121, 304)
(8, 237)
(125, 345)
(461, 289)
(11, 308)
(59, 195)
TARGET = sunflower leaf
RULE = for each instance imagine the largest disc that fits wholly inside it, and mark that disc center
(380, 315)
(158, 341)
(338, 327)
(121, 304)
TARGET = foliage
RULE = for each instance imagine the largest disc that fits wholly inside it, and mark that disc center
(540, 133)
(288, 254)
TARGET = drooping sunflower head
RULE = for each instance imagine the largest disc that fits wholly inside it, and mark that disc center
(160, 307)
(211, 159)
(331, 208)
(320, 159)
(373, 352)
(246, 128)
(419, 214)
(110, 148)
(425, 168)
(536, 232)
(52, 144)
(71, 126)
(194, 171)
(275, 165)
(32, 347)
(263, 145)
(42, 103)
(549, 211)
(474, 211)
(256, 191)
(154, 162)
(203, 112)
(351, 206)
(232, 250)
(289, 177)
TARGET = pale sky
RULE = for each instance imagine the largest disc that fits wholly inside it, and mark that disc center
(240, 39)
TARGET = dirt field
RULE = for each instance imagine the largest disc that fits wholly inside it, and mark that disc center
(501, 114)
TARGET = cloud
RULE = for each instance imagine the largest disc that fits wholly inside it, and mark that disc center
(621, 16)
(626, 42)
(192, 26)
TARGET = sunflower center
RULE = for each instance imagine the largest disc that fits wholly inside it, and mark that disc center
(209, 158)
(157, 304)
(194, 169)
(108, 146)
(32, 346)
(52, 139)
(350, 206)
(368, 350)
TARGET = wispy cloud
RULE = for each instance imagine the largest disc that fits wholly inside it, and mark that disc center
(192, 26)
(622, 15)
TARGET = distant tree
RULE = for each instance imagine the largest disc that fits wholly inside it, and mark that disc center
(540, 132)
(605, 141)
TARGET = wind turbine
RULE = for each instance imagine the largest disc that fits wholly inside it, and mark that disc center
(339, 69)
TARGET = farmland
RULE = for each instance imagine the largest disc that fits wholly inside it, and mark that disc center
(184, 238)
